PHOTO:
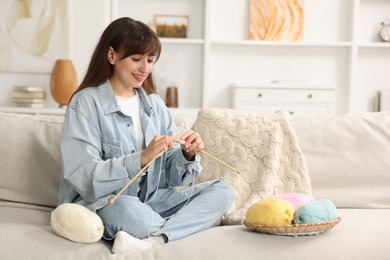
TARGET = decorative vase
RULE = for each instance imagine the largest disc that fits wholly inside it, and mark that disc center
(63, 82)
(171, 97)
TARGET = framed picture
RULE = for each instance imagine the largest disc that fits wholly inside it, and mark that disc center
(276, 20)
(173, 26)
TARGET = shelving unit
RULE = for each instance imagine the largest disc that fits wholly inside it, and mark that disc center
(341, 47)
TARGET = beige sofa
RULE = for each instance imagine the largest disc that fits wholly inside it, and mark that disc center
(347, 159)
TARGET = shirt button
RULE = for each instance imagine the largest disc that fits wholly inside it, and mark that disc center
(132, 151)
(128, 125)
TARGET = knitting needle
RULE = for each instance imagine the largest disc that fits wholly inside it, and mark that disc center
(215, 158)
(111, 201)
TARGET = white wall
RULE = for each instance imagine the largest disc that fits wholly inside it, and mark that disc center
(87, 20)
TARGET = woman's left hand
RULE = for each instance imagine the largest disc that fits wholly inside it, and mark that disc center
(192, 144)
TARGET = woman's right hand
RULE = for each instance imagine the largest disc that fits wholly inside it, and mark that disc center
(159, 143)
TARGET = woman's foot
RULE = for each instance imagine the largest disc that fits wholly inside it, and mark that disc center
(125, 242)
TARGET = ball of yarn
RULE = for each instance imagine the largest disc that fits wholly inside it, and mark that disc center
(77, 223)
(270, 211)
(316, 212)
(296, 199)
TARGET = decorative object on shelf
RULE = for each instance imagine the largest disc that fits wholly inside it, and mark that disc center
(382, 101)
(280, 20)
(173, 26)
(28, 96)
(63, 81)
(385, 30)
(172, 97)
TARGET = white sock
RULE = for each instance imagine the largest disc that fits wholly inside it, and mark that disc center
(155, 240)
(124, 242)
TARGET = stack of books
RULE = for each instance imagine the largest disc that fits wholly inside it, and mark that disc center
(27, 96)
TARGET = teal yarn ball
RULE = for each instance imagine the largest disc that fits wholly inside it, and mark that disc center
(316, 212)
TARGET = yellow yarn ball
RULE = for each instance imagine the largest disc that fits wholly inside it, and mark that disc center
(270, 211)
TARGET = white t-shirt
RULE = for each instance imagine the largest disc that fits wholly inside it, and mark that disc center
(130, 107)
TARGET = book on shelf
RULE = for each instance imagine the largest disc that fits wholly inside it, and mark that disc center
(28, 100)
(28, 89)
(24, 94)
(32, 105)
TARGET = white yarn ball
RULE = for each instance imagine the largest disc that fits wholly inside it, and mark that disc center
(77, 223)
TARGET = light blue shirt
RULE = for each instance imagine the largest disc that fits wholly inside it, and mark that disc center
(99, 154)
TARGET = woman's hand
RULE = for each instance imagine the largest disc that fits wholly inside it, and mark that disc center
(160, 143)
(192, 144)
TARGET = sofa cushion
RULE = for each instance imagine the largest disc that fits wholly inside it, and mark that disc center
(28, 235)
(348, 158)
(30, 158)
(263, 147)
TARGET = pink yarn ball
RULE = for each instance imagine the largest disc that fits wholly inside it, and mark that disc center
(296, 199)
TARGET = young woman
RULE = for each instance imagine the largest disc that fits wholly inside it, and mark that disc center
(115, 124)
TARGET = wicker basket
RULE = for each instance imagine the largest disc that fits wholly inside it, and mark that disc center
(294, 229)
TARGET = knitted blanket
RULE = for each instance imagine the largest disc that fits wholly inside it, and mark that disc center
(263, 147)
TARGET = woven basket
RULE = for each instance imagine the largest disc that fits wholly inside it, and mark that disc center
(294, 229)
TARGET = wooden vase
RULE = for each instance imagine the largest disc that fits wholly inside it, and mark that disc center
(63, 82)
(172, 97)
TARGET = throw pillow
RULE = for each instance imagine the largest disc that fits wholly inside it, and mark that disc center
(263, 147)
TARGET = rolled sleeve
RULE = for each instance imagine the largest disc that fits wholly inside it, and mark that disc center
(182, 171)
(133, 163)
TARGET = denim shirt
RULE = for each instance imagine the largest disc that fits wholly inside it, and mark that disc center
(99, 155)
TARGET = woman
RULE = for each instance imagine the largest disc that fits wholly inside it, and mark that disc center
(115, 124)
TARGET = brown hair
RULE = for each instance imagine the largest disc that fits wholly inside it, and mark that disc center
(128, 37)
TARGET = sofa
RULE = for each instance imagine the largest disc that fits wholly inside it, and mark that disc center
(346, 156)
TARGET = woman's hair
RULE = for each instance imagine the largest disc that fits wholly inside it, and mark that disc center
(127, 37)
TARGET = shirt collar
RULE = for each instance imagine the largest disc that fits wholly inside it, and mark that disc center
(109, 103)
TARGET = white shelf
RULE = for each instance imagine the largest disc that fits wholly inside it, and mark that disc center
(281, 44)
(375, 45)
(182, 41)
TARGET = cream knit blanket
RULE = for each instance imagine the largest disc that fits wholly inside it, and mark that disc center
(263, 147)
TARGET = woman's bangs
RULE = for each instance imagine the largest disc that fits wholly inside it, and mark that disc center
(146, 45)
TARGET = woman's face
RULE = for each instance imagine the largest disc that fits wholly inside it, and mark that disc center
(132, 70)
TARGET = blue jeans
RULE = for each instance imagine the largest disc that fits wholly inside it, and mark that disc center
(138, 219)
